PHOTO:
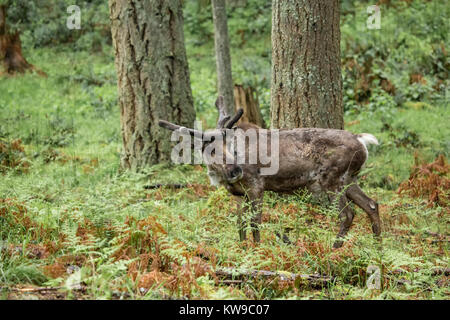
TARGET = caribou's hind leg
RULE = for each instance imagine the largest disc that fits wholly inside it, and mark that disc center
(346, 217)
(355, 194)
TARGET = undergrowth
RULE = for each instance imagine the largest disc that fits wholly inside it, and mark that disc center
(71, 220)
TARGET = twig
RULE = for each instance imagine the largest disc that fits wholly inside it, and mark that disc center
(442, 271)
(25, 290)
(231, 276)
(168, 185)
(435, 234)
(435, 272)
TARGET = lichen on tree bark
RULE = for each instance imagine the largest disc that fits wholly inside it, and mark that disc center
(306, 74)
(153, 77)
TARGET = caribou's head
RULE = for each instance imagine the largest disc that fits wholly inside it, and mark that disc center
(220, 157)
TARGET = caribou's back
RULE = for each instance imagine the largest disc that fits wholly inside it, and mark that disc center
(316, 158)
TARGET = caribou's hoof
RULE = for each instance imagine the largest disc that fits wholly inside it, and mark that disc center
(284, 238)
(337, 244)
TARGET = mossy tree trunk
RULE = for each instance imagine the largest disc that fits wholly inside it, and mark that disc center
(306, 70)
(153, 77)
(11, 56)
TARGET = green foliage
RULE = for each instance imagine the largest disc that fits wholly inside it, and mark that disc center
(406, 57)
(12, 156)
(405, 61)
(246, 19)
(14, 270)
(73, 210)
(250, 51)
(43, 23)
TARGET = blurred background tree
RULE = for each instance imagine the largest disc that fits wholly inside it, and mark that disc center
(10, 46)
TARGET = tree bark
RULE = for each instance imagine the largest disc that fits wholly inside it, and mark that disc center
(223, 60)
(306, 70)
(153, 77)
(246, 99)
(236, 277)
(11, 56)
(2, 20)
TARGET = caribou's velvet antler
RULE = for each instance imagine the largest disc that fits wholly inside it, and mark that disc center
(173, 127)
(225, 121)
(224, 118)
(235, 119)
(222, 121)
(168, 125)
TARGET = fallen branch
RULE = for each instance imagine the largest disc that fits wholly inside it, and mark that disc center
(231, 276)
(439, 272)
(434, 272)
(30, 290)
(437, 235)
(167, 185)
(42, 289)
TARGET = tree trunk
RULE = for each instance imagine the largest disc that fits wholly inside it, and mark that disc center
(153, 77)
(306, 70)
(246, 99)
(223, 60)
(11, 56)
(2, 20)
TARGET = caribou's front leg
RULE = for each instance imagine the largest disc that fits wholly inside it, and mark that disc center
(256, 207)
(248, 204)
(240, 217)
(346, 216)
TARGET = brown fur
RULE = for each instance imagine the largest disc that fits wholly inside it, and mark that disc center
(320, 160)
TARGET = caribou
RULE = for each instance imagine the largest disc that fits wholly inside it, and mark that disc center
(322, 161)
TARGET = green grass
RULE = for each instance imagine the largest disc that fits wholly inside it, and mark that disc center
(73, 207)
(82, 210)
(423, 132)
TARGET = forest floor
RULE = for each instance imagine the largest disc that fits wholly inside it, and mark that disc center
(73, 227)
